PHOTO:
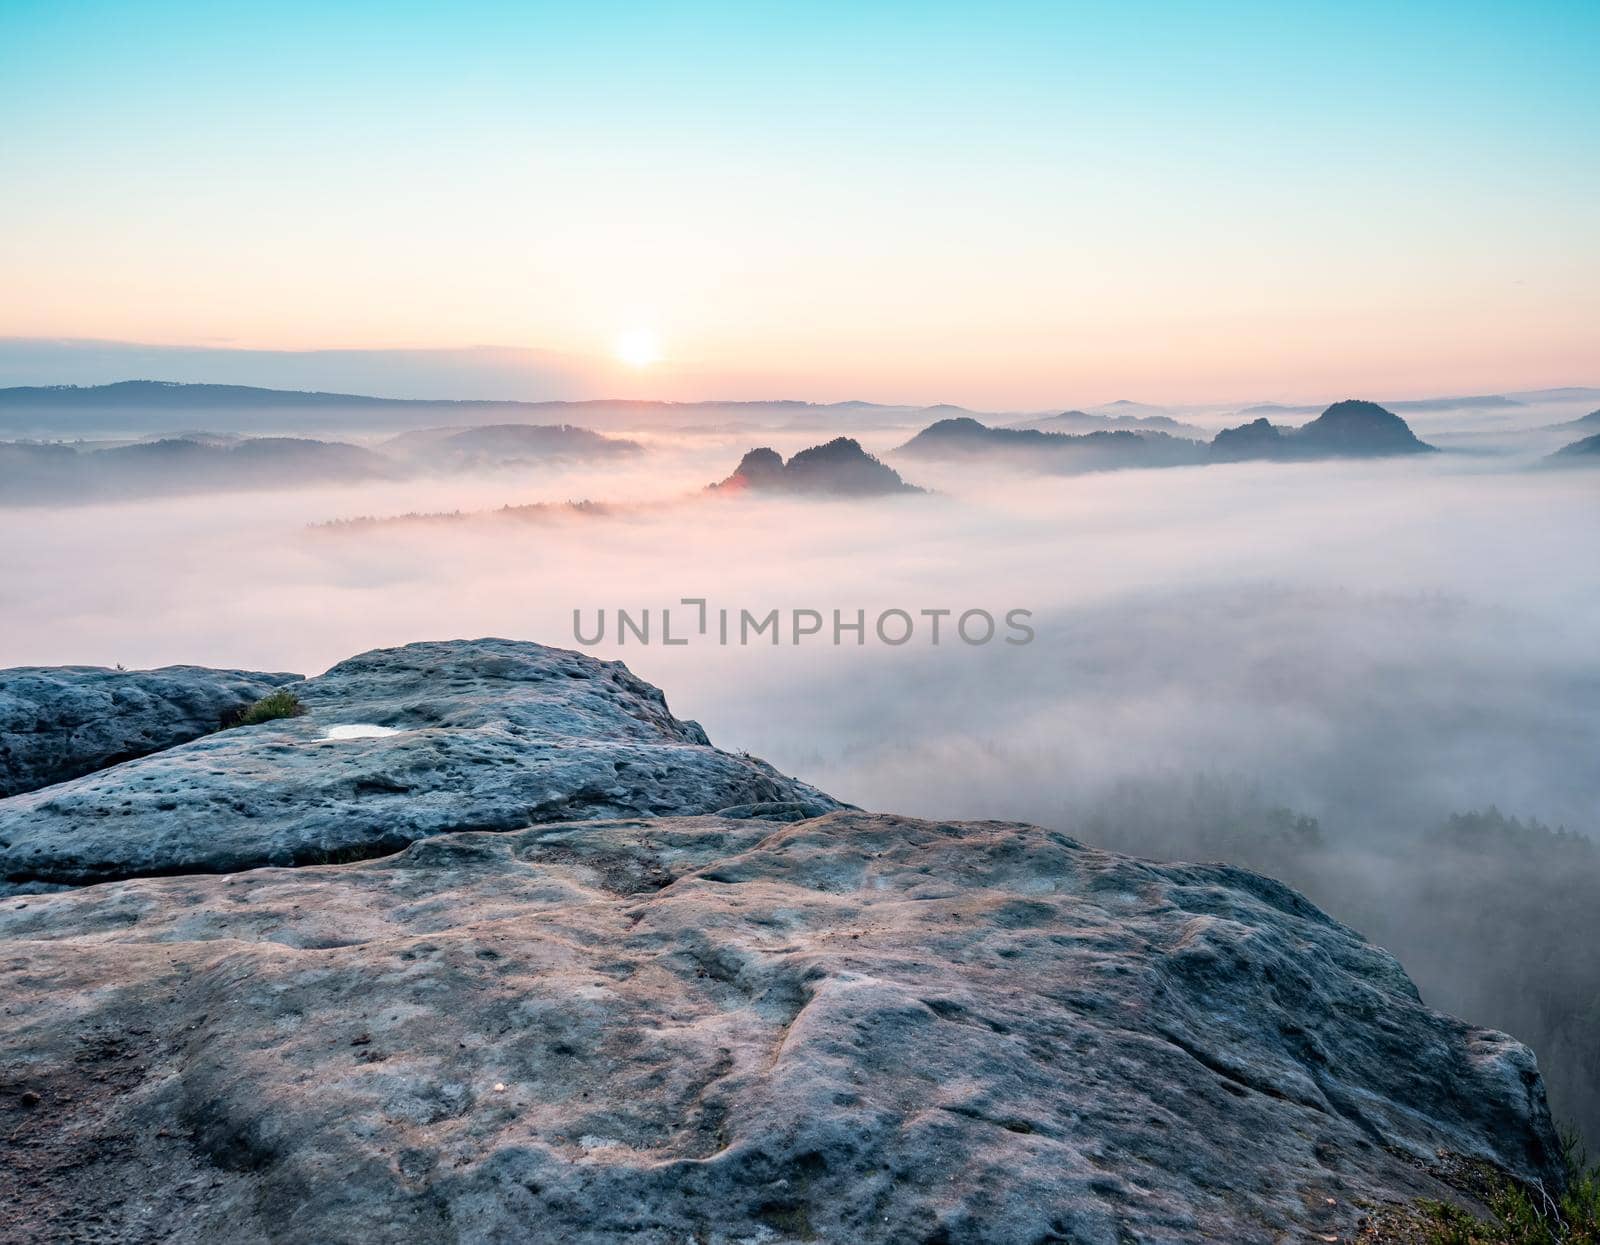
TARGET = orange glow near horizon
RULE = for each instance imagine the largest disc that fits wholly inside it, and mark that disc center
(981, 206)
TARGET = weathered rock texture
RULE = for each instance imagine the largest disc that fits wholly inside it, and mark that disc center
(855, 1028)
(709, 1028)
(57, 722)
(493, 735)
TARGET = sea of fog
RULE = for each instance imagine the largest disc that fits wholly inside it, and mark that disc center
(1379, 639)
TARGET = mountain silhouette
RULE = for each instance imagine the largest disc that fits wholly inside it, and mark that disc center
(841, 468)
(34, 473)
(1589, 422)
(1088, 421)
(1348, 429)
(498, 445)
(133, 407)
(953, 440)
(1584, 453)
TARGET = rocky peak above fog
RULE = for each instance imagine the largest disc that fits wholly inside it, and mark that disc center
(582, 977)
(840, 468)
(1361, 428)
(1260, 438)
(760, 468)
(1348, 429)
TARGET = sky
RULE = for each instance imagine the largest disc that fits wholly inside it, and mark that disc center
(1007, 205)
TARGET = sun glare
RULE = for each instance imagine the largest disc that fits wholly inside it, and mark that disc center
(638, 348)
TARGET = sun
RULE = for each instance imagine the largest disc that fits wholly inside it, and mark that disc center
(637, 348)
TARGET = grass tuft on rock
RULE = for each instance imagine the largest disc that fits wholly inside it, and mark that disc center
(1524, 1215)
(269, 708)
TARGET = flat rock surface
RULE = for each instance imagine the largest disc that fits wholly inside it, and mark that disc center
(488, 735)
(849, 1028)
(58, 722)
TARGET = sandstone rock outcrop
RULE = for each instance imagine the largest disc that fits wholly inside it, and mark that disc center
(57, 722)
(786, 1021)
(841, 468)
(489, 735)
(1348, 429)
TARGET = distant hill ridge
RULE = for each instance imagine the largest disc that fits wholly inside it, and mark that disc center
(1584, 453)
(953, 439)
(1348, 429)
(1581, 424)
(140, 406)
(32, 473)
(168, 393)
(53, 473)
(1474, 402)
(171, 393)
(501, 444)
(1100, 421)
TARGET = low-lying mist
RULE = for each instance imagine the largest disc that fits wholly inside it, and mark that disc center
(1305, 668)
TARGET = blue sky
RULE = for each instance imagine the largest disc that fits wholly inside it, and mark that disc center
(833, 194)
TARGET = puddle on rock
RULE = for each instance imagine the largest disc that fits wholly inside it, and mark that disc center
(359, 730)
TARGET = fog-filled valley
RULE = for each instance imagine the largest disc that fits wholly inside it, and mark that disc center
(1373, 678)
